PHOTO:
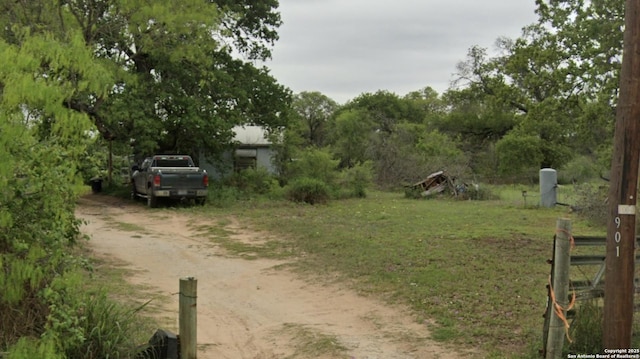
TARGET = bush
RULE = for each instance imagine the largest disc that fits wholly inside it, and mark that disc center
(477, 193)
(413, 192)
(580, 169)
(413, 152)
(28, 347)
(591, 202)
(518, 153)
(308, 190)
(244, 185)
(38, 227)
(315, 163)
(117, 190)
(354, 181)
(222, 196)
(253, 181)
(43, 147)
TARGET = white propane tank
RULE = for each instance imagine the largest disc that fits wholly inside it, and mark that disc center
(548, 187)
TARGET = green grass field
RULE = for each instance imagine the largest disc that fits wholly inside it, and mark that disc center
(476, 268)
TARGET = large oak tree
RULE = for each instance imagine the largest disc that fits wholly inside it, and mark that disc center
(181, 73)
(559, 79)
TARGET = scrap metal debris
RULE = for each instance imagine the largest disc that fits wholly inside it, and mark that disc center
(436, 182)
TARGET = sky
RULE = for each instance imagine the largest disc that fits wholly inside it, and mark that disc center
(343, 48)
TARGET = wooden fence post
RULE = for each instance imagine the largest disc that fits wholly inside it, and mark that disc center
(188, 317)
(559, 289)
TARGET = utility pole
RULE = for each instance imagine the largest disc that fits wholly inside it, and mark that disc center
(621, 229)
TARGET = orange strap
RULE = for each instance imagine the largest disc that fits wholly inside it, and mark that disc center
(557, 308)
(571, 240)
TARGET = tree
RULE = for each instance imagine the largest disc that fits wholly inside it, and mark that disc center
(427, 101)
(314, 111)
(518, 154)
(386, 109)
(397, 134)
(350, 135)
(560, 76)
(591, 35)
(175, 84)
(158, 72)
(477, 124)
(37, 173)
(251, 25)
(412, 152)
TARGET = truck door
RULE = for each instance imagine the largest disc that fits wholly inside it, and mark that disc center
(140, 177)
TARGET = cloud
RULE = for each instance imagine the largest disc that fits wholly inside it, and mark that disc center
(343, 48)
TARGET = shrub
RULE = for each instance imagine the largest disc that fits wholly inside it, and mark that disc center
(28, 347)
(308, 190)
(591, 202)
(413, 152)
(477, 193)
(413, 192)
(117, 190)
(253, 181)
(517, 154)
(315, 163)
(222, 196)
(580, 169)
(38, 226)
(354, 181)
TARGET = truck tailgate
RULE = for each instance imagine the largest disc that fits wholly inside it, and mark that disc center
(186, 180)
(181, 177)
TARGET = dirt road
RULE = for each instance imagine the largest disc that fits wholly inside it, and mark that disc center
(247, 309)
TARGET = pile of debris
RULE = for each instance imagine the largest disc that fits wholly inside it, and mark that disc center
(435, 183)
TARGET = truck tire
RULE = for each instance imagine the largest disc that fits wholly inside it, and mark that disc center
(200, 201)
(152, 201)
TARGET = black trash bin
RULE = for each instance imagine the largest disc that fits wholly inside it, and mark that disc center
(96, 185)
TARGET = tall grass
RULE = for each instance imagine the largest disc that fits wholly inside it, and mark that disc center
(84, 322)
(108, 328)
(586, 328)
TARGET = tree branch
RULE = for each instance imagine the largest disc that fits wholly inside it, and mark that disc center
(92, 112)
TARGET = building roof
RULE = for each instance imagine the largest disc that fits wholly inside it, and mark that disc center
(251, 135)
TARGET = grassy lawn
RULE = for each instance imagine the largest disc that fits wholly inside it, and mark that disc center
(476, 269)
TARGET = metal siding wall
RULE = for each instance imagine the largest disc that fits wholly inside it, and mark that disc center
(264, 159)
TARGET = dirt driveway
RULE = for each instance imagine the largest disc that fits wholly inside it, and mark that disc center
(249, 309)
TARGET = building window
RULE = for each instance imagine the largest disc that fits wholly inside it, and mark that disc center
(242, 163)
(245, 158)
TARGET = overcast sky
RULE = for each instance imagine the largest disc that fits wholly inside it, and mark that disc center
(344, 48)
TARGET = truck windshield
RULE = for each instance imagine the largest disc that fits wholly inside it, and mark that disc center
(173, 162)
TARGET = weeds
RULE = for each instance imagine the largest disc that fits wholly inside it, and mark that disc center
(107, 327)
(586, 328)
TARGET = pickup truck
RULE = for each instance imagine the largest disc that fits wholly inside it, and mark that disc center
(169, 176)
